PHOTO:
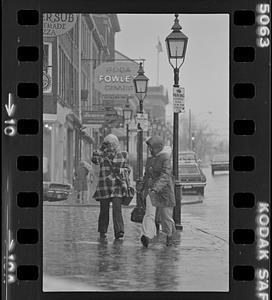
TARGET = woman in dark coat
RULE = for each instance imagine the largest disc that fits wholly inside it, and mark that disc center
(111, 185)
(80, 183)
(158, 190)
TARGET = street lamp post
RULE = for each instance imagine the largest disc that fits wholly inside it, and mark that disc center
(140, 84)
(176, 44)
(193, 141)
(127, 114)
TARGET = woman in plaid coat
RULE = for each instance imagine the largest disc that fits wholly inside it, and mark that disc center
(111, 185)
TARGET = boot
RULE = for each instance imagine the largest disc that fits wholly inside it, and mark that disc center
(145, 241)
(103, 237)
(119, 235)
(169, 240)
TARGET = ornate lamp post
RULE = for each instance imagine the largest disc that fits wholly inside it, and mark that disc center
(140, 83)
(127, 114)
(176, 44)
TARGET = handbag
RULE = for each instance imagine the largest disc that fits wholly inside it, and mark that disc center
(137, 214)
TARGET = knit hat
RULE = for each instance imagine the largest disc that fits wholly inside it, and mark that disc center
(155, 142)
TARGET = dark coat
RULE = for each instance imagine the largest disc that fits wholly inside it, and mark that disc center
(158, 177)
(81, 178)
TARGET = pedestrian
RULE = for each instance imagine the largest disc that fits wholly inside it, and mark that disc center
(80, 182)
(111, 185)
(90, 178)
(158, 191)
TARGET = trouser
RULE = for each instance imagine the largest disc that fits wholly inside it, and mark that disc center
(103, 220)
(163, 214)
(166, 220)
(82, 196)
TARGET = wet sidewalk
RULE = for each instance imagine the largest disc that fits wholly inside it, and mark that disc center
(74, 259)
(71, 201)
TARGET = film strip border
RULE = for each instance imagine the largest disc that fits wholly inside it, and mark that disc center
(249, 149)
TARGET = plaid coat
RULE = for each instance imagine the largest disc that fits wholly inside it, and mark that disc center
(111, 184)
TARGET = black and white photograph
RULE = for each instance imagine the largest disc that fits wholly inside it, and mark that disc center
(135, 152)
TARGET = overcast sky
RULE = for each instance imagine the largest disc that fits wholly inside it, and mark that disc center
(205, 72)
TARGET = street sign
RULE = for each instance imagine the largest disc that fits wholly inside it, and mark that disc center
(93, 117)
(178, 99)
(110, 115)
(116, 97)
(142, 119)
(114, 100)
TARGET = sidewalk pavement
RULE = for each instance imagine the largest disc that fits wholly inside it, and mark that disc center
(186, 199)
(74, 259)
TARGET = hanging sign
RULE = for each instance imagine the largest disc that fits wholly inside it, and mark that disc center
(47, 82)
(115, 79)
(178, 99)
(57, 24)
(93, 117)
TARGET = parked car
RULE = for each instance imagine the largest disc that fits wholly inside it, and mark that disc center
(55, 191)
(192, 178)
(220, 162)
(188, 157)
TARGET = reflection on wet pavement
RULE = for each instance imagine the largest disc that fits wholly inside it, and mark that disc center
(198, 260)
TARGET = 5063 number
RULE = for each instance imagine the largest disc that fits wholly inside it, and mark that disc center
(263, 21)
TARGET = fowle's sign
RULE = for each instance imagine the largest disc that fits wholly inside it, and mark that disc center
(57, 24)
(116, 78)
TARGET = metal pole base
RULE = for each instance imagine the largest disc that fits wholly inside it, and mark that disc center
(177, 208)
(139, 185)
(179, 227)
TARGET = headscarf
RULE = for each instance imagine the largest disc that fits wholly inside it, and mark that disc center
(110, 145)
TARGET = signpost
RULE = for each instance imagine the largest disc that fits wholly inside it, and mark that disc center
(178, 99)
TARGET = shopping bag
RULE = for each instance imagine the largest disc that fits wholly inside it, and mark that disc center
(137, 214)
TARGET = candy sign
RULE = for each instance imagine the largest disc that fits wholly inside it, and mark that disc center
(57, 24)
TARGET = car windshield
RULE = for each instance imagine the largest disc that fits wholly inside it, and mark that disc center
(221, 157)
(188, 169)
